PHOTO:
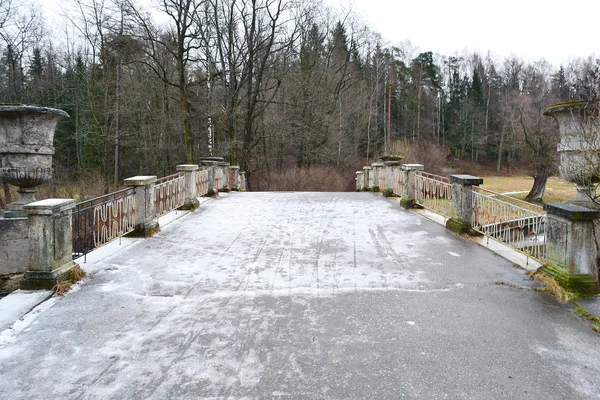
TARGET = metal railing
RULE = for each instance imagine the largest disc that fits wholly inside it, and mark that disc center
(202, 182)
(434, 193)
(398, 179)
(169, 193)
(103, 219)
(513, 222)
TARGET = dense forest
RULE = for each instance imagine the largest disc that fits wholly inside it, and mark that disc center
(272, 85)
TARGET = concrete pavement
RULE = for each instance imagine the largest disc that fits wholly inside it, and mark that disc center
(301, 295)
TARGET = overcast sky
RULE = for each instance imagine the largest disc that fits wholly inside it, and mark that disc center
(532, 29)
(556, 30)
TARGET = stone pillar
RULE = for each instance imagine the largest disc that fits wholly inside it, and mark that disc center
(359, 180)
(50, 243)
(368, 174)
(376, 168)
(236, 177)
(211, 166)
(243, 182)
(409, 190)
(570, 247)
(190, 172)
(225, 183)
(147, 224)
(462, 202)
(389, 173)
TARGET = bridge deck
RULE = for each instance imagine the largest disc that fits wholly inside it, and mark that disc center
(302, 295)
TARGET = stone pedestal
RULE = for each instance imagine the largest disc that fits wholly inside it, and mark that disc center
(409, 191)
(14, 252)
(50, 243)
(462, 201)
(190, 172)
(571, 253)
(147, 224)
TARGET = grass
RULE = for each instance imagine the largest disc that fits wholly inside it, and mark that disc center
(74, 276)
(557, 189)
(552, 287)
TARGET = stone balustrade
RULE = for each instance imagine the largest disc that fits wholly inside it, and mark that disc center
(39, 248)
(566, 233)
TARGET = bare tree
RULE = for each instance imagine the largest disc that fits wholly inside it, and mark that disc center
(182, 42)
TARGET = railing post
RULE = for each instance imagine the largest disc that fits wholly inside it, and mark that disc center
(570, 247)
(409, 191)
(50, 243)
(462, 202)
(368, 174)
(236, 178)
(190, 172)
(147, 224)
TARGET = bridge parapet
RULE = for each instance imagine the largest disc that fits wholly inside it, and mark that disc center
(36, 245)
(562, 239)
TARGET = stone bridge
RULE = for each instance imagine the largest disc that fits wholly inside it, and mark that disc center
(300, 295)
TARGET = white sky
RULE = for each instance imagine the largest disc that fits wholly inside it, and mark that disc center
(556, 30)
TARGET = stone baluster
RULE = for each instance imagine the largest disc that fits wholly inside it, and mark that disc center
(147, 223)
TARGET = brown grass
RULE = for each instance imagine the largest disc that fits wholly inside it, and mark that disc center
(317, 178)
(557, 189)
(74, 276)
(552, 287)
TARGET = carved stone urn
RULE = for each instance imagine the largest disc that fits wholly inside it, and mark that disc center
(579, 148)
(26, 149)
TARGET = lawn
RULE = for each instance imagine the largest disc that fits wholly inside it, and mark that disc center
(557, 189)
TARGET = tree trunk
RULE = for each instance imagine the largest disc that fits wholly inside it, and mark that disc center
(539, 185)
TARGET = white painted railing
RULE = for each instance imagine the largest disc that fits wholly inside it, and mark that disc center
(169, 193)
(518, 224)
(434, 193)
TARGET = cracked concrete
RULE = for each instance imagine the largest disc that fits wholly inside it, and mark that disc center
(301, 295)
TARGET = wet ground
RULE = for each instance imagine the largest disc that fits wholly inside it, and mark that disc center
(301, 295)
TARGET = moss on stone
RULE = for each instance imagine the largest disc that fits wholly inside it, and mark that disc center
(375, 188)
(576, 283)
(388, 193)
